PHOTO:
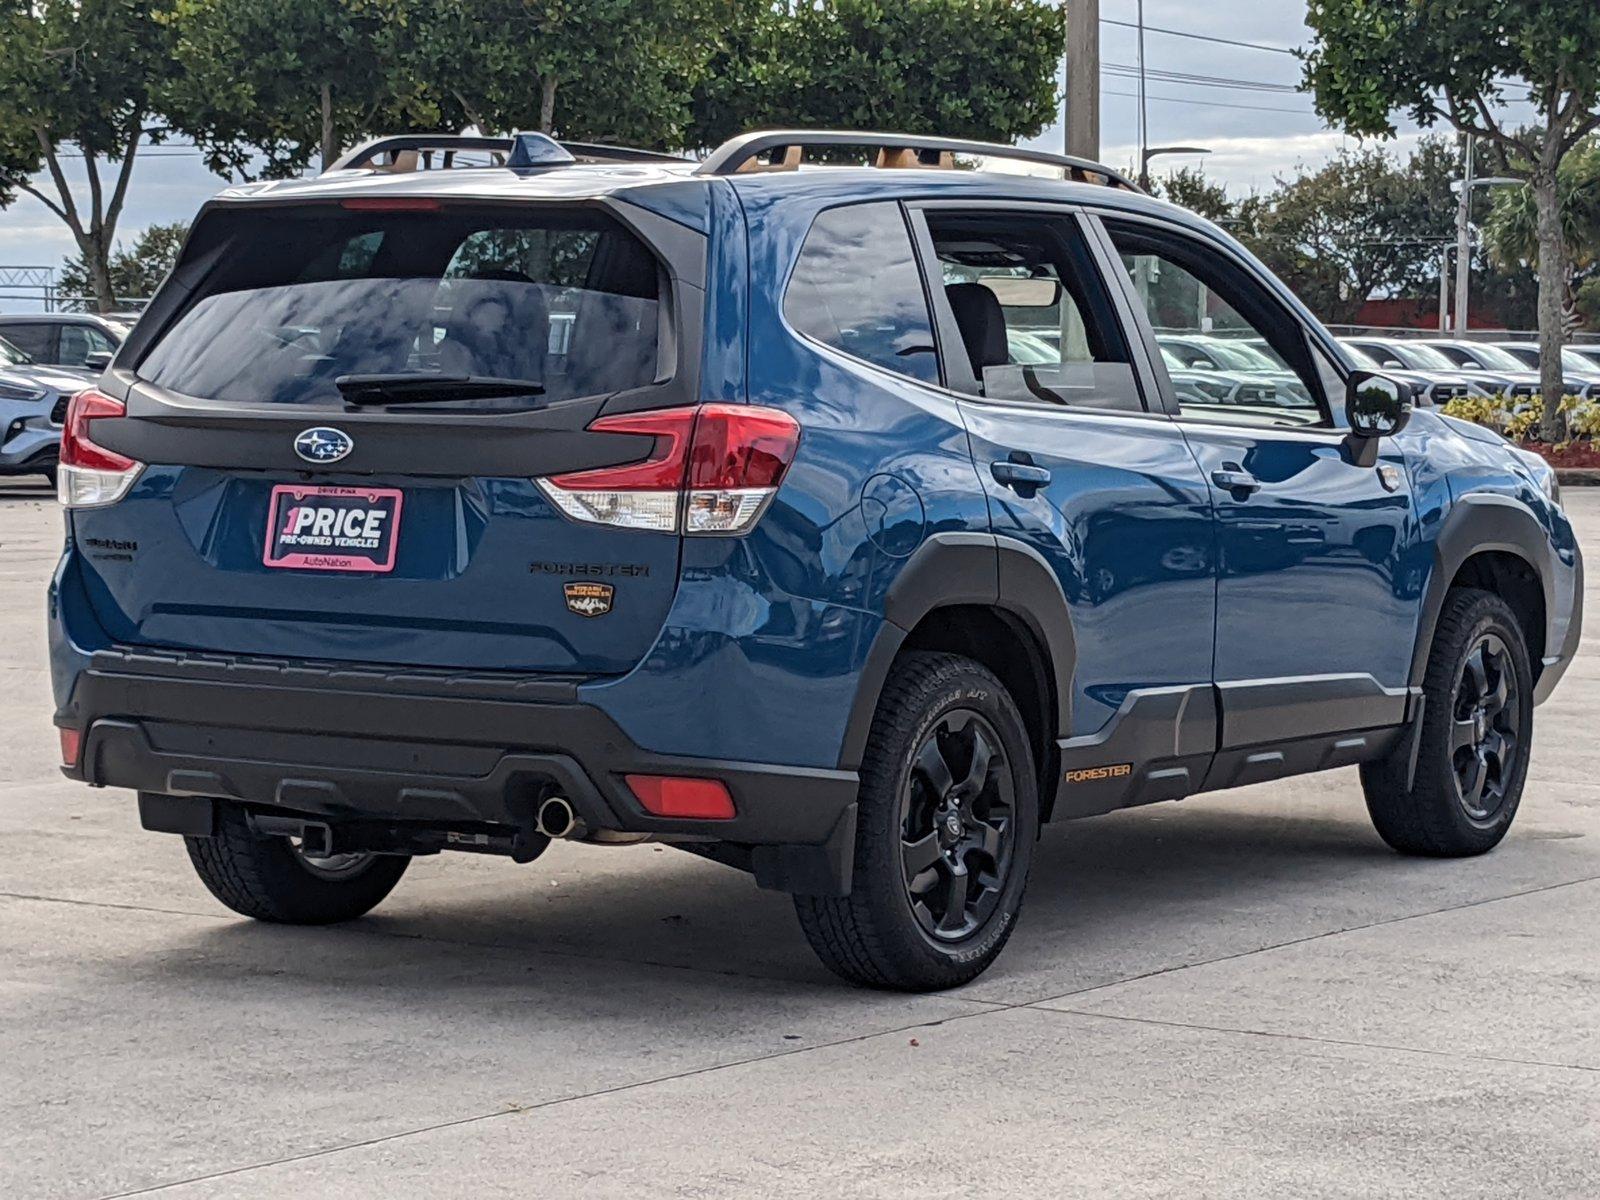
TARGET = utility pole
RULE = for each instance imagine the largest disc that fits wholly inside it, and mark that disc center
(1464, 246)
(1082, 100)
(1144, 113)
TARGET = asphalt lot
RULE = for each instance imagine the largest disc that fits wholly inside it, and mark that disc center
(1238, 995)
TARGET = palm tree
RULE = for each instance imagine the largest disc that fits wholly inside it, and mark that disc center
(1512, 230)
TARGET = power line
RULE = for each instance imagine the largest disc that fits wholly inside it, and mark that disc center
(1304, 112)
(1193, 80)
(1202, 37)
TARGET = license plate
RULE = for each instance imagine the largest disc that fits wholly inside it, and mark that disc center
(333, 528)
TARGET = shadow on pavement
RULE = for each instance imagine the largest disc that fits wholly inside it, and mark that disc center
(1153, 882)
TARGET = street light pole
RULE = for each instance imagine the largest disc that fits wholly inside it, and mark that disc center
(1464, 233)
(1082, 96)
(1146, 153)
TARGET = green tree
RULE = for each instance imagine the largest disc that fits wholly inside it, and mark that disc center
(1191, 188)
(1512, 230)
(964, 68)
(136, 271)
(1357, 226)
(1455, 61)
(76, 81)
(283, 80)
(606, 70)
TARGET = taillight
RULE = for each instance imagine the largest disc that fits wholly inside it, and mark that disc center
(713, 470)
(89, 475)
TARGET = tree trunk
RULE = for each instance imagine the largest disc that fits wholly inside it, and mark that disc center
(96, 250)
(330, 148)
(1552, 292)
(547, 104)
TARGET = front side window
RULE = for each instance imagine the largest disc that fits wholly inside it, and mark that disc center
(564, 299)
(856, 288)
(1233, 354)
(1034, 318)
(80, 341)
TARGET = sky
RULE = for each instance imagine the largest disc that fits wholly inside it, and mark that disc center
(1254, 135)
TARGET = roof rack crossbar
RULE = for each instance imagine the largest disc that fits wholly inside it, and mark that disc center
(450, 144)
(771, 145)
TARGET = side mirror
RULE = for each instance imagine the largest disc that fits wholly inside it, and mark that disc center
(1376, 407)
(97, 360)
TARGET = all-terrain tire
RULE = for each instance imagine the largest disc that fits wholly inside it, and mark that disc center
(1437, 815)
(875, 936)
(268, 879)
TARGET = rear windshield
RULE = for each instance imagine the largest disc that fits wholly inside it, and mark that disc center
(566, 299)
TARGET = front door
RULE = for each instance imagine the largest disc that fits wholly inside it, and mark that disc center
(1316, 616)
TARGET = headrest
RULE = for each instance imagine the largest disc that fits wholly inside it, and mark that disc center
(982, 324)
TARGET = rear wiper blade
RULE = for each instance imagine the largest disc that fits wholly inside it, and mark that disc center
(424, 388)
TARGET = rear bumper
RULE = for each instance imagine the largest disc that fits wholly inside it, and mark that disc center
(429, 749)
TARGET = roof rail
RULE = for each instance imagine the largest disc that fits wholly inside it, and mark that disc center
(780, 148)
(415, 151)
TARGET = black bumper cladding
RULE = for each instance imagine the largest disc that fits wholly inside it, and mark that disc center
(429, 749)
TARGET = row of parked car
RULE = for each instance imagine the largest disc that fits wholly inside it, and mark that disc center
(1217, 368)
(44, 359)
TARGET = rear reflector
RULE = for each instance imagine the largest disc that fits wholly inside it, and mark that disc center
(71, 744)
(674, 796)
(712, 470)
(89, 475)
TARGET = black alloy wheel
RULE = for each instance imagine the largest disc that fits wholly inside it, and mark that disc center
(1451, 787)
(956, 817)
(946, 822)
(1486, 732)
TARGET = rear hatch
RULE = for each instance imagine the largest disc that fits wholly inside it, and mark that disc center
(344, 423)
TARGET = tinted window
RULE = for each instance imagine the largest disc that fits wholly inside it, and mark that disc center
(1232, 352)
(1034, 317)
(856, 288)
(32, 338)
(566, 299)
(80, 341)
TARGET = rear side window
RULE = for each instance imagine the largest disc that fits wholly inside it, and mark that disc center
(856, 288)
(32, 338)
(564, 298)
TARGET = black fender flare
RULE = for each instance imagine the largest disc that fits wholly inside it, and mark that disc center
(955, 568)
(1479, 523)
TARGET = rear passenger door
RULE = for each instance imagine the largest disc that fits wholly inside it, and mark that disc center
(1316, 601)
(36, 338)
(1081, 465)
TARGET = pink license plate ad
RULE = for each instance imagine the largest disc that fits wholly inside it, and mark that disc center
(333, 528)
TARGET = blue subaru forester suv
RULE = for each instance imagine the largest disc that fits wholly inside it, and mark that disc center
(839, 523)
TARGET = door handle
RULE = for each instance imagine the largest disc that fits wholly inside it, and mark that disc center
(1232, 479)
(1024, 478)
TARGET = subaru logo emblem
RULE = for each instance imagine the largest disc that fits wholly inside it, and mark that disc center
(323, 445)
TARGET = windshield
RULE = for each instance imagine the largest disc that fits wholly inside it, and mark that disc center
(1361, 358)
(563, 299)
(1241, 356)
(1571, 360)
(1496, 359)
(13, 355)
(1420, 357)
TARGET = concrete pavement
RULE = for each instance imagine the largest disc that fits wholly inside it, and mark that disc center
(1238, 995)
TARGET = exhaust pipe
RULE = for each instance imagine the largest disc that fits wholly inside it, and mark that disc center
(556, 818)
